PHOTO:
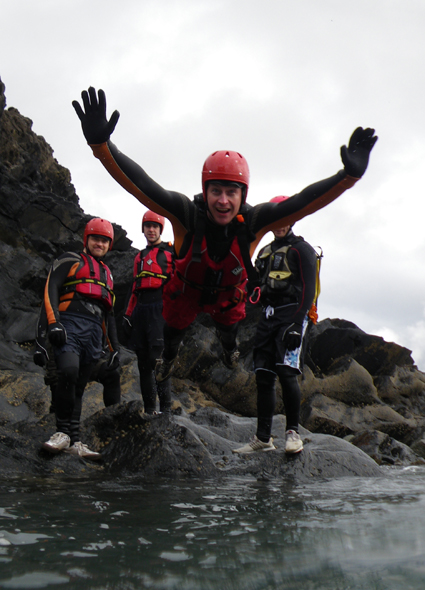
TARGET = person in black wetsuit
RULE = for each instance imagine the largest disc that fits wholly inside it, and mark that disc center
(105, 374)
(288, 269)
(215, 234)
(78, 300)
(143, 323)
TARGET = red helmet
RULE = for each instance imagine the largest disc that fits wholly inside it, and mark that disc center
(153, 218)
(279, 199)
(226, 165)
(99, 227)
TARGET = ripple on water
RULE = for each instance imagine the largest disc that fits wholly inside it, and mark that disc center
(328, 534)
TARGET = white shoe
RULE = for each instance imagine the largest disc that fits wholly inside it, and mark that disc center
(293, 442)
(57, 443)
(82, 450)
(255, 445)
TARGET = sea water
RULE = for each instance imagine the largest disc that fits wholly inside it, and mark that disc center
(233, 533)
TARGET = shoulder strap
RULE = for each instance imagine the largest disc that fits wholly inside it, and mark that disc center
(243, 235)
(200, 226)
(89, 261)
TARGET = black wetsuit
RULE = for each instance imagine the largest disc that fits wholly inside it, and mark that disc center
(286, 301)
(86, 320)
(183, 214)
(144, 313)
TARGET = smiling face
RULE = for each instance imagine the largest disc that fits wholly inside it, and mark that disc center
(223, 201)
(98, 246)
(152, 232)
(281, 232)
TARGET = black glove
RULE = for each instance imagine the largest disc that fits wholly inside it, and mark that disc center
(39, 358)
(126, 326)
(293, 336)
(114, 360)
(355, 157)
(96, 127)
(57, 334)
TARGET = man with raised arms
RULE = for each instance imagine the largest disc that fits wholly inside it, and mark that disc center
(216, 234)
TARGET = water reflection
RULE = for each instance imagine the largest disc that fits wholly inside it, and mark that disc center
(231, 534)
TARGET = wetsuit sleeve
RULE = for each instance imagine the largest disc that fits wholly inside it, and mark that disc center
(269, 216)
(57, 277)
(304, 258)
(41, 334)
(131, 298)
(112, 332)
(131, 303)
(177, 208)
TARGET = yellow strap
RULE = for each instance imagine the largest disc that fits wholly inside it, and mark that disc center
(147, 273)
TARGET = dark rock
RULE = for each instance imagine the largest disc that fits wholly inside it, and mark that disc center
(384, 449)
(332, 340)
(180, 446)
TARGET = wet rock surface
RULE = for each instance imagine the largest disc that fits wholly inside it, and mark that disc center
(363, 398)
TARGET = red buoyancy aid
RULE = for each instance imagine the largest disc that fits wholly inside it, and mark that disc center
(211, 283)
(92, 279)
(153, 267)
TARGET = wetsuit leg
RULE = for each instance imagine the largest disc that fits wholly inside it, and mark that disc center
(291, 395)
(266, 402)
(163, 388)
(111, 381)
(51, 377)
(147, 381)
(172, 339)
(68, 365)
(227, 335)
(83, 378)
(164, 395)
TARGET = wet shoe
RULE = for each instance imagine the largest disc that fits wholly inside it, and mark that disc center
(163, 369)
(255, 445)
(57, 443)
(293, 444)
(230, 358)
(82, 450)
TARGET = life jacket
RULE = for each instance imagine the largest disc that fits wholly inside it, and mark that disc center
(209, 282)
(153, 267)
(276, 274)
(90, 279)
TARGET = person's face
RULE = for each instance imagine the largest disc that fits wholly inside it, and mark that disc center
(152, 232)
(281, 232)
(98, 246)
(224, 202)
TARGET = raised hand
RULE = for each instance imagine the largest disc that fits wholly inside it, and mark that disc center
(96, 127)
(355, 157)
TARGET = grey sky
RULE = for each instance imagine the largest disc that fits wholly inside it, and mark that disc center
(283, 82)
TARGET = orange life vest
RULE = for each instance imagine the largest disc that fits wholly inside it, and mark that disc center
(91, 279)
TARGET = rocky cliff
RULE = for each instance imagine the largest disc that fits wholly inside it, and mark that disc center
(363, 398)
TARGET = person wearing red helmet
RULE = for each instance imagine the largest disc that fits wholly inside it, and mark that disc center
(287, 268)
(78, 302)
(143, 323)
(216, 234)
